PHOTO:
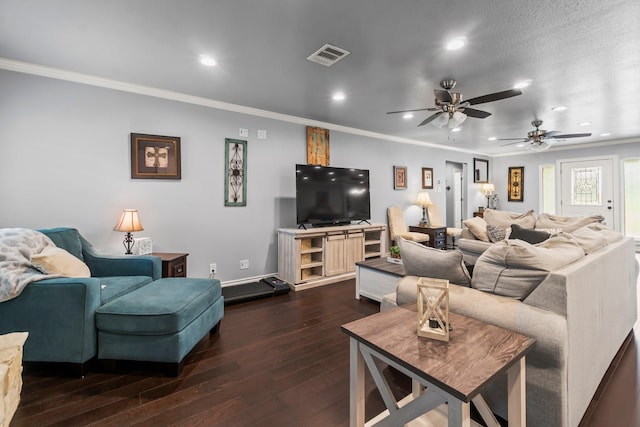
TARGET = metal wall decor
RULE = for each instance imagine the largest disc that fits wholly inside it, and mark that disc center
(317, 146)
(235, 172)
(515, 187)
(155, 157)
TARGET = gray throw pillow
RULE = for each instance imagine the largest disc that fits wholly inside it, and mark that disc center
(422, 261)
(496, 233)
(529, 235)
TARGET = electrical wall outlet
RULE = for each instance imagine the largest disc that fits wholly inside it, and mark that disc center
(244, 264)
(213, 268)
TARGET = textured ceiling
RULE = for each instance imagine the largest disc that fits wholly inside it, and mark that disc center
(584, 54)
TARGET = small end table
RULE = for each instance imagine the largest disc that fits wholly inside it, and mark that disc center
(173, 264)
(437, 235)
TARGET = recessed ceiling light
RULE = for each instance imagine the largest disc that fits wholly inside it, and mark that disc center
(520, 145)
(584, 123)
(559, 108)
(208, 61)
(339, 96)
(492, 138)
(522, 84)
(456, 43)
(605, 134)
(407, 116)
(458, 129)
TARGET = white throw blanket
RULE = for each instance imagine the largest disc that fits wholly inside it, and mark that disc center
(17, 245)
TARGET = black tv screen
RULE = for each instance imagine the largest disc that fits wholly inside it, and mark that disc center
(327, 195)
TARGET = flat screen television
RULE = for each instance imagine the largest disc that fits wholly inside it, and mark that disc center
(331, 196)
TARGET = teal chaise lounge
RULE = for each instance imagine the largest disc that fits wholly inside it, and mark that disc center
(124, 311)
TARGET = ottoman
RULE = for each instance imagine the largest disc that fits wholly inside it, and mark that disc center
(159, 322)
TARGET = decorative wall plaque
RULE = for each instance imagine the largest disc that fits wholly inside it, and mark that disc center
(515, 188)
(317, 146)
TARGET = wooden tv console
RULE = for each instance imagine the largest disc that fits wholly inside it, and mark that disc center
(324, 255)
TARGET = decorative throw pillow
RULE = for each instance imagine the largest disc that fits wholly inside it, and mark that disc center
(478, 228)
(529, 235)
(54, 260)
(495, 233)
(422, 261)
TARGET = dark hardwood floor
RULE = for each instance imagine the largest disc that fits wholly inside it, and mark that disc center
(280, 361)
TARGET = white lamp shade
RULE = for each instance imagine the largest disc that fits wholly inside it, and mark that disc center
(488, 188)
(129, 221)
(423, 199)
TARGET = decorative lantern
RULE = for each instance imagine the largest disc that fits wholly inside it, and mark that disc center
(433, 308)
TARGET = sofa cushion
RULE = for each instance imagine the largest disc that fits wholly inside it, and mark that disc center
(589, 240)
(66, 238)
(609, 234)
(478, 228)
(115, 286)
(514, 268)
(422, 261)
(165, 306)
(54, 260)
(566, 223)
(496, 233)
(504, 219)
(529, 235)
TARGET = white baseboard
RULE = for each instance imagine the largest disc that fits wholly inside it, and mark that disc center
(245, 280)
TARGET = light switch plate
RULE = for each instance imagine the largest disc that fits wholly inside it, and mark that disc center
(244, 132)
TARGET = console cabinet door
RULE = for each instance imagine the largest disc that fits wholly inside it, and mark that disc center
(354, 250)
(334, 254)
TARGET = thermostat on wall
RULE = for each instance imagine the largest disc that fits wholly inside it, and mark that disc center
(142, 246)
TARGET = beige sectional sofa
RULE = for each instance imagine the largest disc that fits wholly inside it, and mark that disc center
(575, 294)
(474, 239)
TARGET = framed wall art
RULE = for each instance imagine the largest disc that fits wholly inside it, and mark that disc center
(235, 172)
(155, 157)
(399, 177)
(427, 178)
(480, 171)
(515, 187)
(317, 146)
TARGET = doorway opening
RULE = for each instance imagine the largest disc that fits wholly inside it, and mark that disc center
(455, 193)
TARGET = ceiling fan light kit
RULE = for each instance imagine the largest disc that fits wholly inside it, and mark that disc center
(538, 138)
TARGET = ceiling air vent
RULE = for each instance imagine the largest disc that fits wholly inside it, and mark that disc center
(328, 55)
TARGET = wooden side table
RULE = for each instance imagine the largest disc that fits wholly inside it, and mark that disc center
(480, 214)
(173, 264)
(437, 235)
(456, 370)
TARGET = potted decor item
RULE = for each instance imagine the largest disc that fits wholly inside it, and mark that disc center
(394, 255)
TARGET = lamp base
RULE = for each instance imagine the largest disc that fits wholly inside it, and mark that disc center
(128, 243)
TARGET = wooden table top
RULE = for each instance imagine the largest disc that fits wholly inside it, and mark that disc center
(475, 354)
(382, 264)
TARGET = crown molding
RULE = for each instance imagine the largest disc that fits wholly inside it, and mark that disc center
(91, 80)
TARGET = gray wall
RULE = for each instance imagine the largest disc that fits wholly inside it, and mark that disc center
(65, 161)
(532, 162)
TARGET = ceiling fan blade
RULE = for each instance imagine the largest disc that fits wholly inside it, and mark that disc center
(411, 111)
(478, 114)
(442, 96)
(550, 134)
(494, 96)
(513, 139)
(568, 135)
(430, 118)
(519, 141)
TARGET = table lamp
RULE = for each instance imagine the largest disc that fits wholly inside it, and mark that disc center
(128, 222)
(424, 200)
(488, 190)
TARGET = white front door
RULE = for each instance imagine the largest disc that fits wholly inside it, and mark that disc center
(587, 188)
